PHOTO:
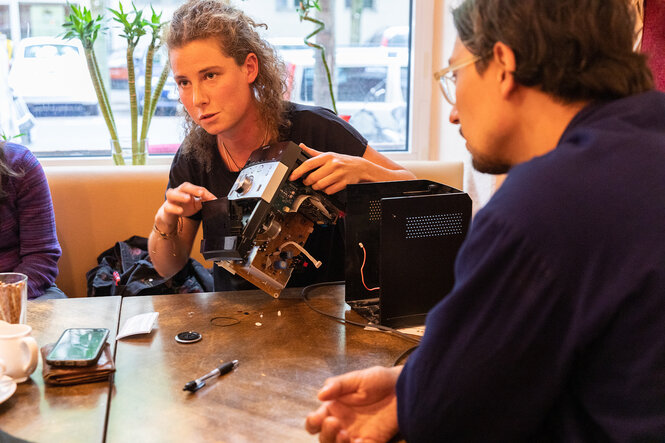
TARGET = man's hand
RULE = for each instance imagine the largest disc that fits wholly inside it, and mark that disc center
(359, 406)
(331, 172)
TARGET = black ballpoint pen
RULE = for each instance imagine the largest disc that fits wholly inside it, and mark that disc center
(197, 384)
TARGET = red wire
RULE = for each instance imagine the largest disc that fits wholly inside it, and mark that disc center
(362, 275)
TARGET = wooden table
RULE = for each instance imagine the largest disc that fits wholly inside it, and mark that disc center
(67, 413)
(285, 349)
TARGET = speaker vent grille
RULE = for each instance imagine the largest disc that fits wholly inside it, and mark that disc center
(436, 225)
(375, 210)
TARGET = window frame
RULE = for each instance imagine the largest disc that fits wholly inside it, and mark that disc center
(420, 84)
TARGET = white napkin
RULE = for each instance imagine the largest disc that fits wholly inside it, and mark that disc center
(139, 324)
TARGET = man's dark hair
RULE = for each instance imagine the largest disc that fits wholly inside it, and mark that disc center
(574, 50)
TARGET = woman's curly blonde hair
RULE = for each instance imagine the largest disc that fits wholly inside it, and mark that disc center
(237, 36)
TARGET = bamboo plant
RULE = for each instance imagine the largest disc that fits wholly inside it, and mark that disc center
(304, 9)
(81, 24)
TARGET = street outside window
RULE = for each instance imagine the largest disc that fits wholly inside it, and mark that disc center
(51, 107)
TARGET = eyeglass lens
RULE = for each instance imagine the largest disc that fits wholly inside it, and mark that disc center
(448, 88)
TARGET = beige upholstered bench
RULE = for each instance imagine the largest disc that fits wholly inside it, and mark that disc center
(96, 206)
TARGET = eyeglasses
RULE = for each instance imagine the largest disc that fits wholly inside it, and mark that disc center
(447, 79)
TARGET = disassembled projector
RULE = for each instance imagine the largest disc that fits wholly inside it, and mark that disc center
(259, 229)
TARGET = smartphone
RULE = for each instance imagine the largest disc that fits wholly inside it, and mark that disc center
(78, 347)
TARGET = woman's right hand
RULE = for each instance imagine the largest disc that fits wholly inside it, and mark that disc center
(183, 201)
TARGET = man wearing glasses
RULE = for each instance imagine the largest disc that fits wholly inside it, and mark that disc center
(555, 328)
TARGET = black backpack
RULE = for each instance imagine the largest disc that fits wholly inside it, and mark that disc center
(126, 270)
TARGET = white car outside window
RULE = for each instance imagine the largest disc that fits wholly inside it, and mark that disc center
(52, 77)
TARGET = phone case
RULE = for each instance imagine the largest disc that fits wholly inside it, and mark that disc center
(53, 360)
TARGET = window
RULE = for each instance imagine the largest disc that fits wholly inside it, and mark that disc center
(372, 74)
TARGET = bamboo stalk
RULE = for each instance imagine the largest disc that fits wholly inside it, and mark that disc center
(90, 60)
(133, 112)
(106, 101)
(147, 96)
(158, 90)
(322, 50)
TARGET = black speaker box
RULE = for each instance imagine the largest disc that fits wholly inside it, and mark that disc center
(410, 232)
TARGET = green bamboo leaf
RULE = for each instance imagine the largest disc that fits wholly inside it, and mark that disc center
(156, 18)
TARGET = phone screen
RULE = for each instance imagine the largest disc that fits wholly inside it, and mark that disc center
(78, 346)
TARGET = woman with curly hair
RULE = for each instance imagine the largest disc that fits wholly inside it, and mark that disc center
(232, 84)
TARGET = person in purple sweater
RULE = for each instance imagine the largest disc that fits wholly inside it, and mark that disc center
(28, 241)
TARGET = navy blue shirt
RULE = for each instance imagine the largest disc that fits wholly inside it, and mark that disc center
(318, 128)
(555, 328)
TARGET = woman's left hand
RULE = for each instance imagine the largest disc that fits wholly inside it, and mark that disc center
(330, 172)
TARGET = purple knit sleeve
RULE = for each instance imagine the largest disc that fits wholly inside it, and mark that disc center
(39, 249)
